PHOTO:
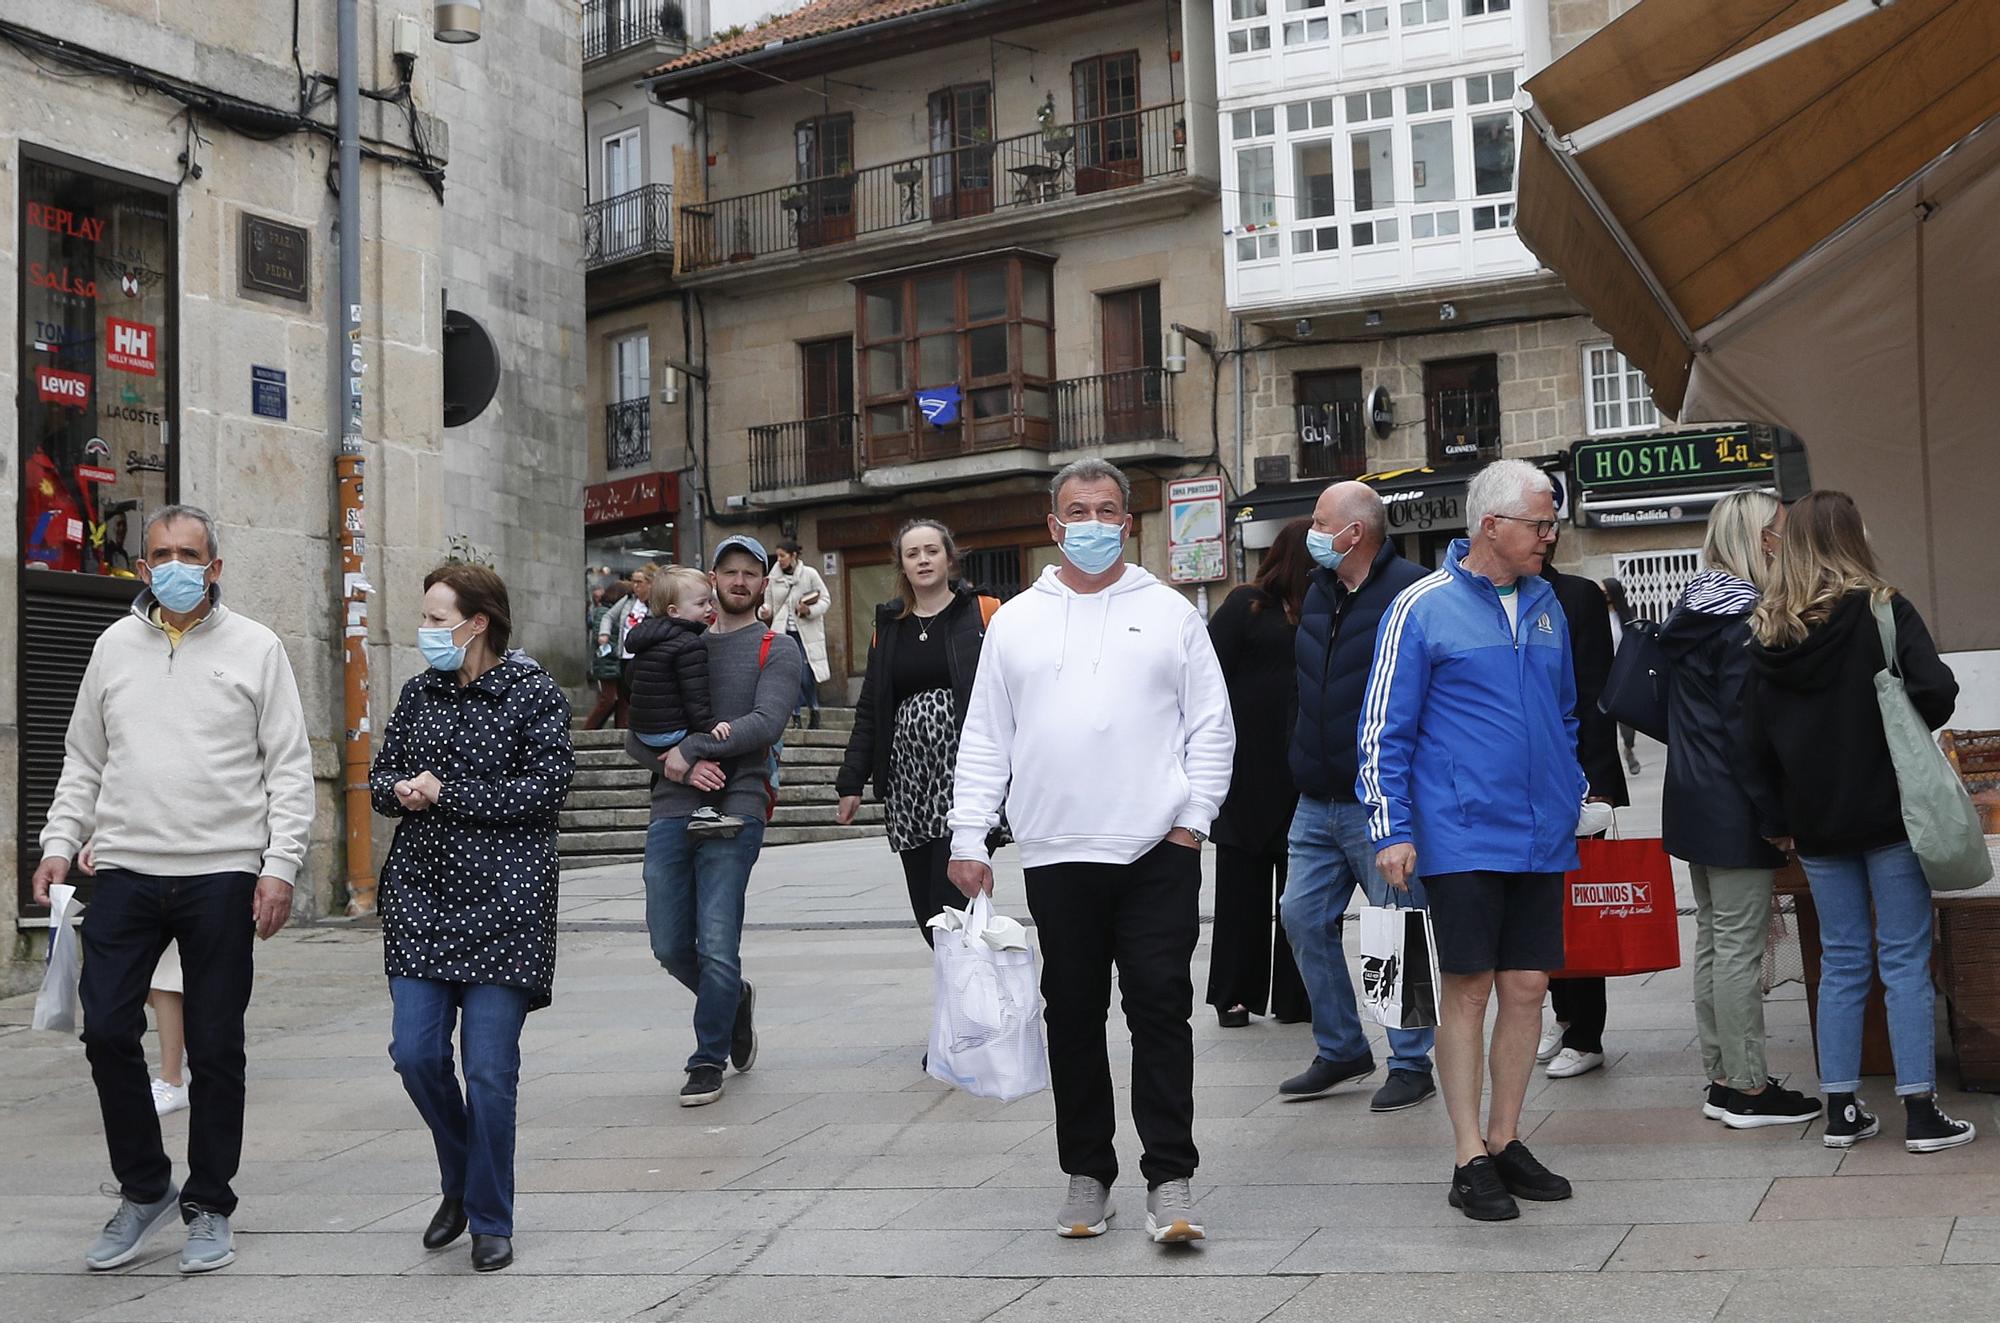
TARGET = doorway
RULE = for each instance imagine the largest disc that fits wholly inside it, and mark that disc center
(1131, 392)
(827, 389)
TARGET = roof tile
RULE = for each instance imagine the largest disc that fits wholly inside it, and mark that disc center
(816, 19)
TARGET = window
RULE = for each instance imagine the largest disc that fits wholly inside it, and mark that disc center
(1621, 399)
(1332, 440)
(628, 419)
(1423, 98)
(1462, 409)
(1372, 158)
(961, 166)
(1312, 179)
(1256, 187)
(985, 328)
(1105, 91)
(631, 367)
(1323, 239)
(1492, 154)
(1258, 123)
(1256, 247)
(823, 164)
(1431, 162)
(1418, 13)
(1302, 32)
(1364, 106)
(1256, 36)
(1361, 18)
(623, 170)
(1301, 116)
(1242, 9)
(1485, 89)
(1480, 8)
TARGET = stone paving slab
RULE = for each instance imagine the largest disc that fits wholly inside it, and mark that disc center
(1850, 1243)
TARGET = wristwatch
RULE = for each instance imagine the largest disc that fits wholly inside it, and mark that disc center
(1200, 837)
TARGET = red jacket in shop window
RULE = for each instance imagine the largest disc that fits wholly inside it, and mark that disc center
(51, 519)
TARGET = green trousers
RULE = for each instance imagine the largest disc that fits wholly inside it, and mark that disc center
(1732, 920)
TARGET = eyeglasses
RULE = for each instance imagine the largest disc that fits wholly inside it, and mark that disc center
(1544, 528)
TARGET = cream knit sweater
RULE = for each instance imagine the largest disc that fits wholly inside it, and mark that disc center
(186, 760)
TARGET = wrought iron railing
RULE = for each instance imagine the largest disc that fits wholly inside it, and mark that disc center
(629, 225)
(804, 453)
(1333, 441)
(1464, 424)
(628, 434)
(1006, 176)
(1136, 405)
(613, 26)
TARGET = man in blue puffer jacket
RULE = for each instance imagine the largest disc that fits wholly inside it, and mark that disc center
(1469, 770)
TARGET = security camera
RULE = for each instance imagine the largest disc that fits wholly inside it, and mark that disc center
(1447, 312)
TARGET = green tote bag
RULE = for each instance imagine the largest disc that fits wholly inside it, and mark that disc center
(1943, 825)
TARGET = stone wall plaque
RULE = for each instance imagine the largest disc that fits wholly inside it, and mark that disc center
(277, 258)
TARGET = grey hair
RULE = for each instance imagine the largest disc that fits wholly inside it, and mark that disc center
(1500, 488)
(1367, 508)
(167, 514)
(1089, 469)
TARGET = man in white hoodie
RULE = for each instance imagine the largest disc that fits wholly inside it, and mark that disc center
(1100, 719)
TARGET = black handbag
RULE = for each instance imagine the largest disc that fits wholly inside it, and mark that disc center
(1636, 691)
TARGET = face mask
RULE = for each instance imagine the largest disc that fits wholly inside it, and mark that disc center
(179, 587)
(439, 650)
(1091, 546)
(1320, 547)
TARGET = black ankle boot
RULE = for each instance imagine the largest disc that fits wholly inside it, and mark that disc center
(447, 1224)
(491, 1253)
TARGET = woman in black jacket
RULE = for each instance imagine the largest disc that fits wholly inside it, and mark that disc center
(1250, 966)
(921, 662)
(476, 762)
(1708, 820)
(1823, 782)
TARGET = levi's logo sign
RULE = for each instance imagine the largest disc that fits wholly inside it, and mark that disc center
(1593, 895)
(129, 346)
(55, 387)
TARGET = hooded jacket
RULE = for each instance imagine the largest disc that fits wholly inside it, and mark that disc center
(1468, 735)
(669, 676)
(1819, 761)
(1100, 720)
(1706, 816)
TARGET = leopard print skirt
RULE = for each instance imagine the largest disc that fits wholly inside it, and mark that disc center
(921, 755)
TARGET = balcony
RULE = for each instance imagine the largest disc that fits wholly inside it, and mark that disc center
(628, 434)
(639, 33)
(1019, 178)
(806, 453)
(1332, 440)
(1113, 408)
(635, 224)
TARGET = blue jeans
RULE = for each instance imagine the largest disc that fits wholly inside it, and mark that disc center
(1330, 855)
(665, 739)
(694, 912)
(1844, 887)
(473, 1132)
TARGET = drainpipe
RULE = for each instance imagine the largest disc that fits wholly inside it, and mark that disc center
(350, 466)
(1242, 483)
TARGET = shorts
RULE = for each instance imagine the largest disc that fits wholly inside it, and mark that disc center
(167, 974)
(665, 739)
(1486, 921)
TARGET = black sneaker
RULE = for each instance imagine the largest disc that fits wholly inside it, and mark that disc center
(1715, 1101)
(704, 1086)
(1930, 1129)
(1776, 1105)
(743, 1035)
(1527, 1178)
(1403, 1088)
(1477, 1192)
(1323, 1077)
(1848, 1122)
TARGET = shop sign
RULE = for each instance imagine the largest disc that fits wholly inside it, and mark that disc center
(1195, 549)
(53, 386)
(267, 392)
(1424, 508)
(1667, 512)
(1381, 413)
(1684, 460)
(61, 280)
(630, 498)
(70, 224)
(131, 347)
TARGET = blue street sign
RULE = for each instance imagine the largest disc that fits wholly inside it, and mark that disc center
(940, 406)
(267, 392)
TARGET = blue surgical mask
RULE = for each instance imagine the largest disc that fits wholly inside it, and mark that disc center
(439, 650)
(179, 587)
(1091, 546)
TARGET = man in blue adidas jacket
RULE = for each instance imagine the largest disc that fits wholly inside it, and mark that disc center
(1469, 771)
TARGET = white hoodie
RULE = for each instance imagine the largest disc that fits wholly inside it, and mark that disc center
(1100, 719)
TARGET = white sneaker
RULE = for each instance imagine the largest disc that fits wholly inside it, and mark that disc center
(1552, 1041)
(1570, 1063)
(169, 1098)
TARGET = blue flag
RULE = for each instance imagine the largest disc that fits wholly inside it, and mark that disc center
(940, 406)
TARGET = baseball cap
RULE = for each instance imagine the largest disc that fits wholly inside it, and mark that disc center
(741, 542)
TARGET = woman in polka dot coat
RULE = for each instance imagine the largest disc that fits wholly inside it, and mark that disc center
(476, 762)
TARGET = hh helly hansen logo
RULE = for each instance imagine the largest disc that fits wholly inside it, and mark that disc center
(1543, 623)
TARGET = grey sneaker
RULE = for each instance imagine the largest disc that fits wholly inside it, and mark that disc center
(708, 822)
(210, 1246)
(1086, 1209)
(128, 1228)
(1170, 1214)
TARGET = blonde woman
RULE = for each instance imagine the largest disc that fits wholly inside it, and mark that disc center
(1707, 818)
(1822, 782)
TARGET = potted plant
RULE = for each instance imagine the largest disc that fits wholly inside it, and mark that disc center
(1057, 139)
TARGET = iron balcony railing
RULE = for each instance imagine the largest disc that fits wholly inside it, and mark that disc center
(1464, 424)
(611, 27)
(629, 225)
(1136, 405)
(1009, 176)
(804, 453)
(1333, 441)
(628, 434)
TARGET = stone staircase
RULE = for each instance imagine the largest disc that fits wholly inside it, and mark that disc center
(604, 820)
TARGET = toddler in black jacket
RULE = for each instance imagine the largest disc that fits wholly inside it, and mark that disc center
(669, 673)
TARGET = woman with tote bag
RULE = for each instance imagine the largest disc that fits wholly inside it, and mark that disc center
(1822, 780)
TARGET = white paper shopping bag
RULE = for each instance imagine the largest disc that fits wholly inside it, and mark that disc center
(1399, 973)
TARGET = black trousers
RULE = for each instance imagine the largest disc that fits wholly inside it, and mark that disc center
(1250, 960)
(1579, 1003)
(924, 870)
(1142, 918)
(128, 923)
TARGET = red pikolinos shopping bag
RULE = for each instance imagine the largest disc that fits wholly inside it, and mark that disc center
(1618, 910)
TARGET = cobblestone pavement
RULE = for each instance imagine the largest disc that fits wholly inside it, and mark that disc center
(835, 1182)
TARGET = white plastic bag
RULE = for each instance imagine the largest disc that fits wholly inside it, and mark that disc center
(986, 1021)
(1399, 971)
(56, 1005)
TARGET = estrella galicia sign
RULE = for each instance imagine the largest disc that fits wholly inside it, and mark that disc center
(940, 405)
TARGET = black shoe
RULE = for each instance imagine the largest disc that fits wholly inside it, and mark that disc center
(1930, 1129)
(1477, 1192)
(1526, 1178)
(1848, 1122)
(743, 1035)
(1236, 1019)
(1715, 1100)
(814, 723)
(704, 1086)
(447, 1224)
(1323, 1076)
(491, 1253)
(1775, 1105)
(1403, 1088)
